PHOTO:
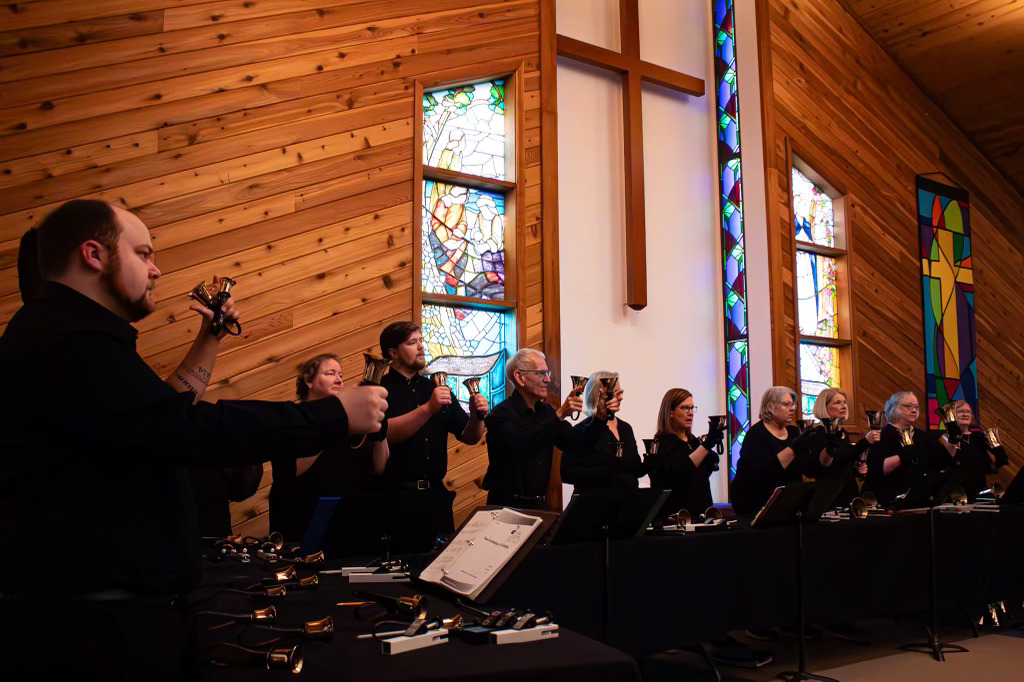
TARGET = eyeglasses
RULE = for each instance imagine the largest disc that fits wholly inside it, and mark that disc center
(911, 406)
(541, 372)
(688, 408)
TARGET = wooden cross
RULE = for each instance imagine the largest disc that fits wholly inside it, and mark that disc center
(633, 71)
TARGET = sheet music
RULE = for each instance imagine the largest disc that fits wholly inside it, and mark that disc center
(484, 545)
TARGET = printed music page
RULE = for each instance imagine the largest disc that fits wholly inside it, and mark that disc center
(484, 545)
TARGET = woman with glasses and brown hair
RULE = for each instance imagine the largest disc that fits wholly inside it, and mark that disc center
(683, 463)
(612, 462)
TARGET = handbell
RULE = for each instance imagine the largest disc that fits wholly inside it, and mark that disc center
(228, 654)
(992, 436)
(858, 508)
(651, 446)
(439, 378)
(869, 499)
(374, 369)
(947, 413)
(322, 629)
(680, 518)
(958, 496)
(712, 514)
(226, 285)
(874, 419)
(578, 384)
(996, 491)
(201, 294)
(472, 385)
(907, 435)
(608, 384)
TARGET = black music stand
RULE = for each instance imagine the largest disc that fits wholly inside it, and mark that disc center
(606, 515)
(799, 503)
(932, 489)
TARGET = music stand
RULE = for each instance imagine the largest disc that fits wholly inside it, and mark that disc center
(597, 515)
(799, 503)
(1014, 494)
(933, 489)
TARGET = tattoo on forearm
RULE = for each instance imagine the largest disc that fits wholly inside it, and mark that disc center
(200, 374)
(185, 382)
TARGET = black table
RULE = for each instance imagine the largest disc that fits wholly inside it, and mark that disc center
(570, 656)
(673, 591)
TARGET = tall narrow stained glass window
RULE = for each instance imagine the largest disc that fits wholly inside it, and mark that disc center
(737, 363)
(818, 261)
(467, 311)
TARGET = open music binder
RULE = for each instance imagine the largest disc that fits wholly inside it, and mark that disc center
(486, 549)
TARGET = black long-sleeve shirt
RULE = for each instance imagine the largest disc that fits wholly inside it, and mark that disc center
(520, 444)
(94, 449)
(759, 471)
(976, 462)
(673, 469)
(605, 464)
(925, 454)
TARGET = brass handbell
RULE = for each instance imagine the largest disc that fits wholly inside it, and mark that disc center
(992, 436)
(946, 413)
(201, 294)
(858, 508)
(680, 518)
(439, 378)
(608, 384)
(958, 496)
(322, 629)
(712, 514)
(869, 499)
(874, 419)
(472, 385)
(651, 446)
(907, 435)
(228, 654)
(374, 369)
(578, 384)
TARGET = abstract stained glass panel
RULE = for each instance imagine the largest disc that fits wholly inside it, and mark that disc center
(813, 215)
(947, 288)
(463, 241)
(464, 129)
(819, 369)
(733, 249)
(816, 295)
(465, 342)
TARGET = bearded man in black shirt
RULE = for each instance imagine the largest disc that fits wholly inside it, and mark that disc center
(94, 450)
(420, 417)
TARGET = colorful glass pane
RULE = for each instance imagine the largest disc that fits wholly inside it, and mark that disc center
(813, 215)
(947, 288)
(462, 241)
(819, 369)
(816, 295)
(466, 342)
(464, 129)
(733, 250)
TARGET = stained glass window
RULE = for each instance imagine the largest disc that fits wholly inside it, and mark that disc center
(813, 216)
(467, 343)
(463, 241)
(733, 249)
(462, 237)
(816, 295)
(464, 129)
(819, 369)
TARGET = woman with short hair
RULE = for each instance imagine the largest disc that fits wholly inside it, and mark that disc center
(893, 467)
(613, 462)
(774, 452)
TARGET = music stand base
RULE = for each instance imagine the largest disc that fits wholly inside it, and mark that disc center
(933, 646)
(793, 675)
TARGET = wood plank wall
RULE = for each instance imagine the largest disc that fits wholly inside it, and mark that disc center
(269, 140)
(839, 102)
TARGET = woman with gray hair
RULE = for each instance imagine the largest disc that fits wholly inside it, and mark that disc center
(612, 461)
(774, 452)
(893, 466)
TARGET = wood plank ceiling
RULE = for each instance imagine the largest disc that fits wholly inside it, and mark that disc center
(968, 56)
